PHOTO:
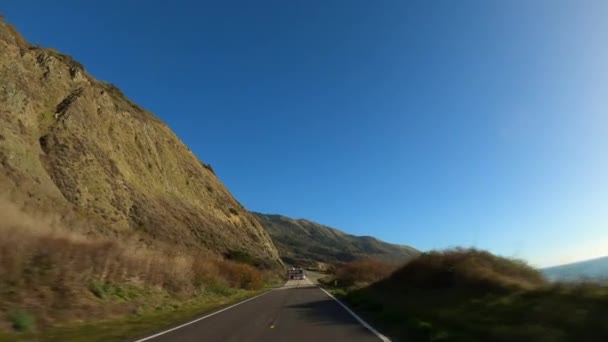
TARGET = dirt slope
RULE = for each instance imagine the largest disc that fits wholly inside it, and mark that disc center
(77, 147)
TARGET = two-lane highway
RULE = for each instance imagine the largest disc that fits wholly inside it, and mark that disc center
(299, 311)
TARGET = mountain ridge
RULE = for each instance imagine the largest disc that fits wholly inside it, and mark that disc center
(311, 244)
(596, 268)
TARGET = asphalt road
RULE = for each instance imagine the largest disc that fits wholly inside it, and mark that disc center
(297, 312)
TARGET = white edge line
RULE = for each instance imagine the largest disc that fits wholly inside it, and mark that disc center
(201, 318)
(359, 319)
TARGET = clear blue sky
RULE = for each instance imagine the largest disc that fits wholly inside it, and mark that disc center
(429, 123)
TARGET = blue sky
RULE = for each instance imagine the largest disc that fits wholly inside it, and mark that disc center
(428, 123)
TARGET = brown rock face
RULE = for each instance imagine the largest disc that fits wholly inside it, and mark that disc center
(77, 147)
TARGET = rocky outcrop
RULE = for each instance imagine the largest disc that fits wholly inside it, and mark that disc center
(77, 147)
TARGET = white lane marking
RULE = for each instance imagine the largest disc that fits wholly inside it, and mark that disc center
(201, 318)
(359, 319)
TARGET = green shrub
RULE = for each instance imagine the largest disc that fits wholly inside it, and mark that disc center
(220, 289)
(242, 257)
(21, 320)
(113, 291)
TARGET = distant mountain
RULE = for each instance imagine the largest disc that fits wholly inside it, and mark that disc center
(307, 243)
(589, 269)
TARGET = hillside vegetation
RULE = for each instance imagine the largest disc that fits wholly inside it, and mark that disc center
(77, 148)
(106, 216)
(472, 295)
(52, 276)
(306, 243)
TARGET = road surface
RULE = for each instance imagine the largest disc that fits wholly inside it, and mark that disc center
(299, 311)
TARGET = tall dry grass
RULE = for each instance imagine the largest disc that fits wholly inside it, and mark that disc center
(473, 295)
(42, 261)
(362, 272)
(468, 268)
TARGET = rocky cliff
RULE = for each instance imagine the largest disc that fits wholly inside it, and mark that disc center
(78, 148)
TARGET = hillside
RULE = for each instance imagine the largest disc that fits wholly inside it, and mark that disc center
(78, 149)
(588, 269)
(307, 243)
(111, 227)
(473, 295)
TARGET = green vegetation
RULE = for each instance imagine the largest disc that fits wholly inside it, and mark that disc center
(471, 295)
(73, 285)
(21, 320)
(242, 257)
(314, 246)
(115, 292)
(146, 320)
(106, 219)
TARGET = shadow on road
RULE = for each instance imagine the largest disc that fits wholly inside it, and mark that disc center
(323, 311)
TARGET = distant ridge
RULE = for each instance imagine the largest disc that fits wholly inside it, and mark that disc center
(308, 243)
(588, 269)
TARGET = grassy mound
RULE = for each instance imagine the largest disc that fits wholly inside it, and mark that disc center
(472, 295)
(469, 269)
(359, 273)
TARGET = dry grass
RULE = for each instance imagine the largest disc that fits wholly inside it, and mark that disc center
(48, 269)
(362, 272)
(468, 268)
(19, 40)
(134, 176)
(472, 295)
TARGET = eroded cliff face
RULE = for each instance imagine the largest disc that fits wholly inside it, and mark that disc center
(77, 147)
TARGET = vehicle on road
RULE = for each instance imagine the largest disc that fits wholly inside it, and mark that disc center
(296, 273)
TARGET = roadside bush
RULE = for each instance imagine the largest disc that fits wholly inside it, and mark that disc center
(241, 275)
(242, 257)
(21, 320)
(361, 272)
(473, 295)
(468, 269)
(42, 262)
